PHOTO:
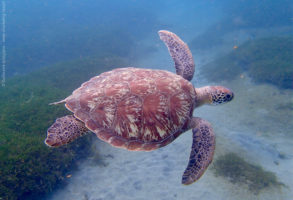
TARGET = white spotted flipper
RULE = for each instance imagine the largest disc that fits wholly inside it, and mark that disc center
(180, 53)
(202, 150)
(64, 130)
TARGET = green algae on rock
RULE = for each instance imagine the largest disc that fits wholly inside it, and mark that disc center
(28, 167)
(237, 170)
(267, 60)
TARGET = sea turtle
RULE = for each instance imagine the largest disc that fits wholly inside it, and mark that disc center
(144, 109)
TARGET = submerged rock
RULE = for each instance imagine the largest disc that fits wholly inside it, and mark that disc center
(267, 60)
(237, 170)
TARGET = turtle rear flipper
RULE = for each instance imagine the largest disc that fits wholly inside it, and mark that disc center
(202, 150)
(64, 130)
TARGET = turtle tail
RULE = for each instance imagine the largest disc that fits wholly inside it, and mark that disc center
(58, 102)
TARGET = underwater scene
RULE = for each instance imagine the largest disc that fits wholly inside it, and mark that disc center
(146, 99)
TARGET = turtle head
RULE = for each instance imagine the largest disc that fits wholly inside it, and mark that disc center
(220, 95)
(213, 95)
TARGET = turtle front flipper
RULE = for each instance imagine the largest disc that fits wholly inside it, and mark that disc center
(180, 53)
(202, 150)
(64, 130)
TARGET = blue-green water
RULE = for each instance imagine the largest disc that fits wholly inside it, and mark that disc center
(54, 46)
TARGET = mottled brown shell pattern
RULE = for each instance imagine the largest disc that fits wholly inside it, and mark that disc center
(136, 109)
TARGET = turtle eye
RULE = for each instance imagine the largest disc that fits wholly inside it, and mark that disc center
(230, 96)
